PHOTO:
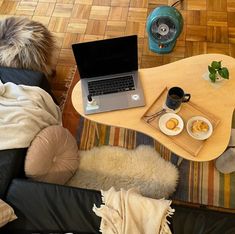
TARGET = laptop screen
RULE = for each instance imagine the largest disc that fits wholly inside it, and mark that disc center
(106, 57)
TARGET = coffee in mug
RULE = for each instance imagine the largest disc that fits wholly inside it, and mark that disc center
(175, 97)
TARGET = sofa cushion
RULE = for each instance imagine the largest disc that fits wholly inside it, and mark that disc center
(189, 218)
(11, 166)
(6, 213)
(52, 156)
(48, 208)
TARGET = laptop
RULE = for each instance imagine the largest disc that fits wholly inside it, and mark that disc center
(109, 74)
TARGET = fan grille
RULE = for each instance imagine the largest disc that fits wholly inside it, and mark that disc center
(163, 29)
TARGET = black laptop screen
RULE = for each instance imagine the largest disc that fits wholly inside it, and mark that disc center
(105, 57)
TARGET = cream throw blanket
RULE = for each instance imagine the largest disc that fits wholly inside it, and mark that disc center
(127, 212)
(24, 111)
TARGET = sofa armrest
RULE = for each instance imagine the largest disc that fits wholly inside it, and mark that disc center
(44, 207)
(49, 208)
(11, 166)
(25, 77)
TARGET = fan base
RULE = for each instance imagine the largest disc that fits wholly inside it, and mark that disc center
(161, 48)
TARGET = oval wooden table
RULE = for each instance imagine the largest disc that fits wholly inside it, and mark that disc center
(218, 99)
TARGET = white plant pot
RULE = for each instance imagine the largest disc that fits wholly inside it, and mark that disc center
(218, 77)
(219, 80)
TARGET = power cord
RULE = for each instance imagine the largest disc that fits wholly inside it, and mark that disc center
(176, 3)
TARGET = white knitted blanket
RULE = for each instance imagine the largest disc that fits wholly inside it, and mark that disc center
(24, 111)
(126, 212)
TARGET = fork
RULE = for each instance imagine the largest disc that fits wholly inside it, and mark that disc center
(155, 115)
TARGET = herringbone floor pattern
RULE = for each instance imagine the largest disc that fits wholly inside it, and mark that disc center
(209, 27)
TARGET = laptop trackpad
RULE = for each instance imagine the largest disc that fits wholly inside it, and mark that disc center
(114, 101)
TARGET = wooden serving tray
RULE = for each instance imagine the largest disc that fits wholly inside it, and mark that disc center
(187, 110)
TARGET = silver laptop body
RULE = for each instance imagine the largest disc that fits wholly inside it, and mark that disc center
(109, 62)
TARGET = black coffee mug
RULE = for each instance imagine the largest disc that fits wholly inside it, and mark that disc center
(175, 97)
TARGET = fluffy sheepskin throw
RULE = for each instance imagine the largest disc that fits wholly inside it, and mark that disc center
(26, 44)
(108, 166)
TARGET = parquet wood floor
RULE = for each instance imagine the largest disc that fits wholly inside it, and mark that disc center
(209, 27)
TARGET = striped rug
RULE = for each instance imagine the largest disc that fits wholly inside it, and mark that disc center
(199, 183)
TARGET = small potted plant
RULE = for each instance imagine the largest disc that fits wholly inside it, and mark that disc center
(217, 72)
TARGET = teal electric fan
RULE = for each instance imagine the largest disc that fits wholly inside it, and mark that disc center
(164, 25)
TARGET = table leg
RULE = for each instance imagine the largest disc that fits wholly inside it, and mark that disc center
(97, 131)
(180, 159)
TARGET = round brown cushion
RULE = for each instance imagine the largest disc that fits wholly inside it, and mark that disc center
(52, 156)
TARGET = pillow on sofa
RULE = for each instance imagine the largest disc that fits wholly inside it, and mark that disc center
(52, 156)
(6, 213)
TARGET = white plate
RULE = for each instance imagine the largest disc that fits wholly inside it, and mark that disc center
(199, 135)
(162, 124)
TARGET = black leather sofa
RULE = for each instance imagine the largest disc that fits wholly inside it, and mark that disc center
(49, 208)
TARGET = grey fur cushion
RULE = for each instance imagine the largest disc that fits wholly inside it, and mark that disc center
(26, 44)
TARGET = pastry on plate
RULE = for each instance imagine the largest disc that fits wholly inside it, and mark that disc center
(199, 126)
(172, 123)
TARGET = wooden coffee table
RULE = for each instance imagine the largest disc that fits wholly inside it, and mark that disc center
(218, 99)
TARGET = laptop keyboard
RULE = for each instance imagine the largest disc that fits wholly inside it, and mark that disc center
(113, 85)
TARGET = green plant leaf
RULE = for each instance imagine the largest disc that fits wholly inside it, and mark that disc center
(211, 70)
(224, 72)
(212, 77)
(216, 64)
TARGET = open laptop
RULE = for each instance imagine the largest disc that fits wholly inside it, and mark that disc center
(109, 74)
